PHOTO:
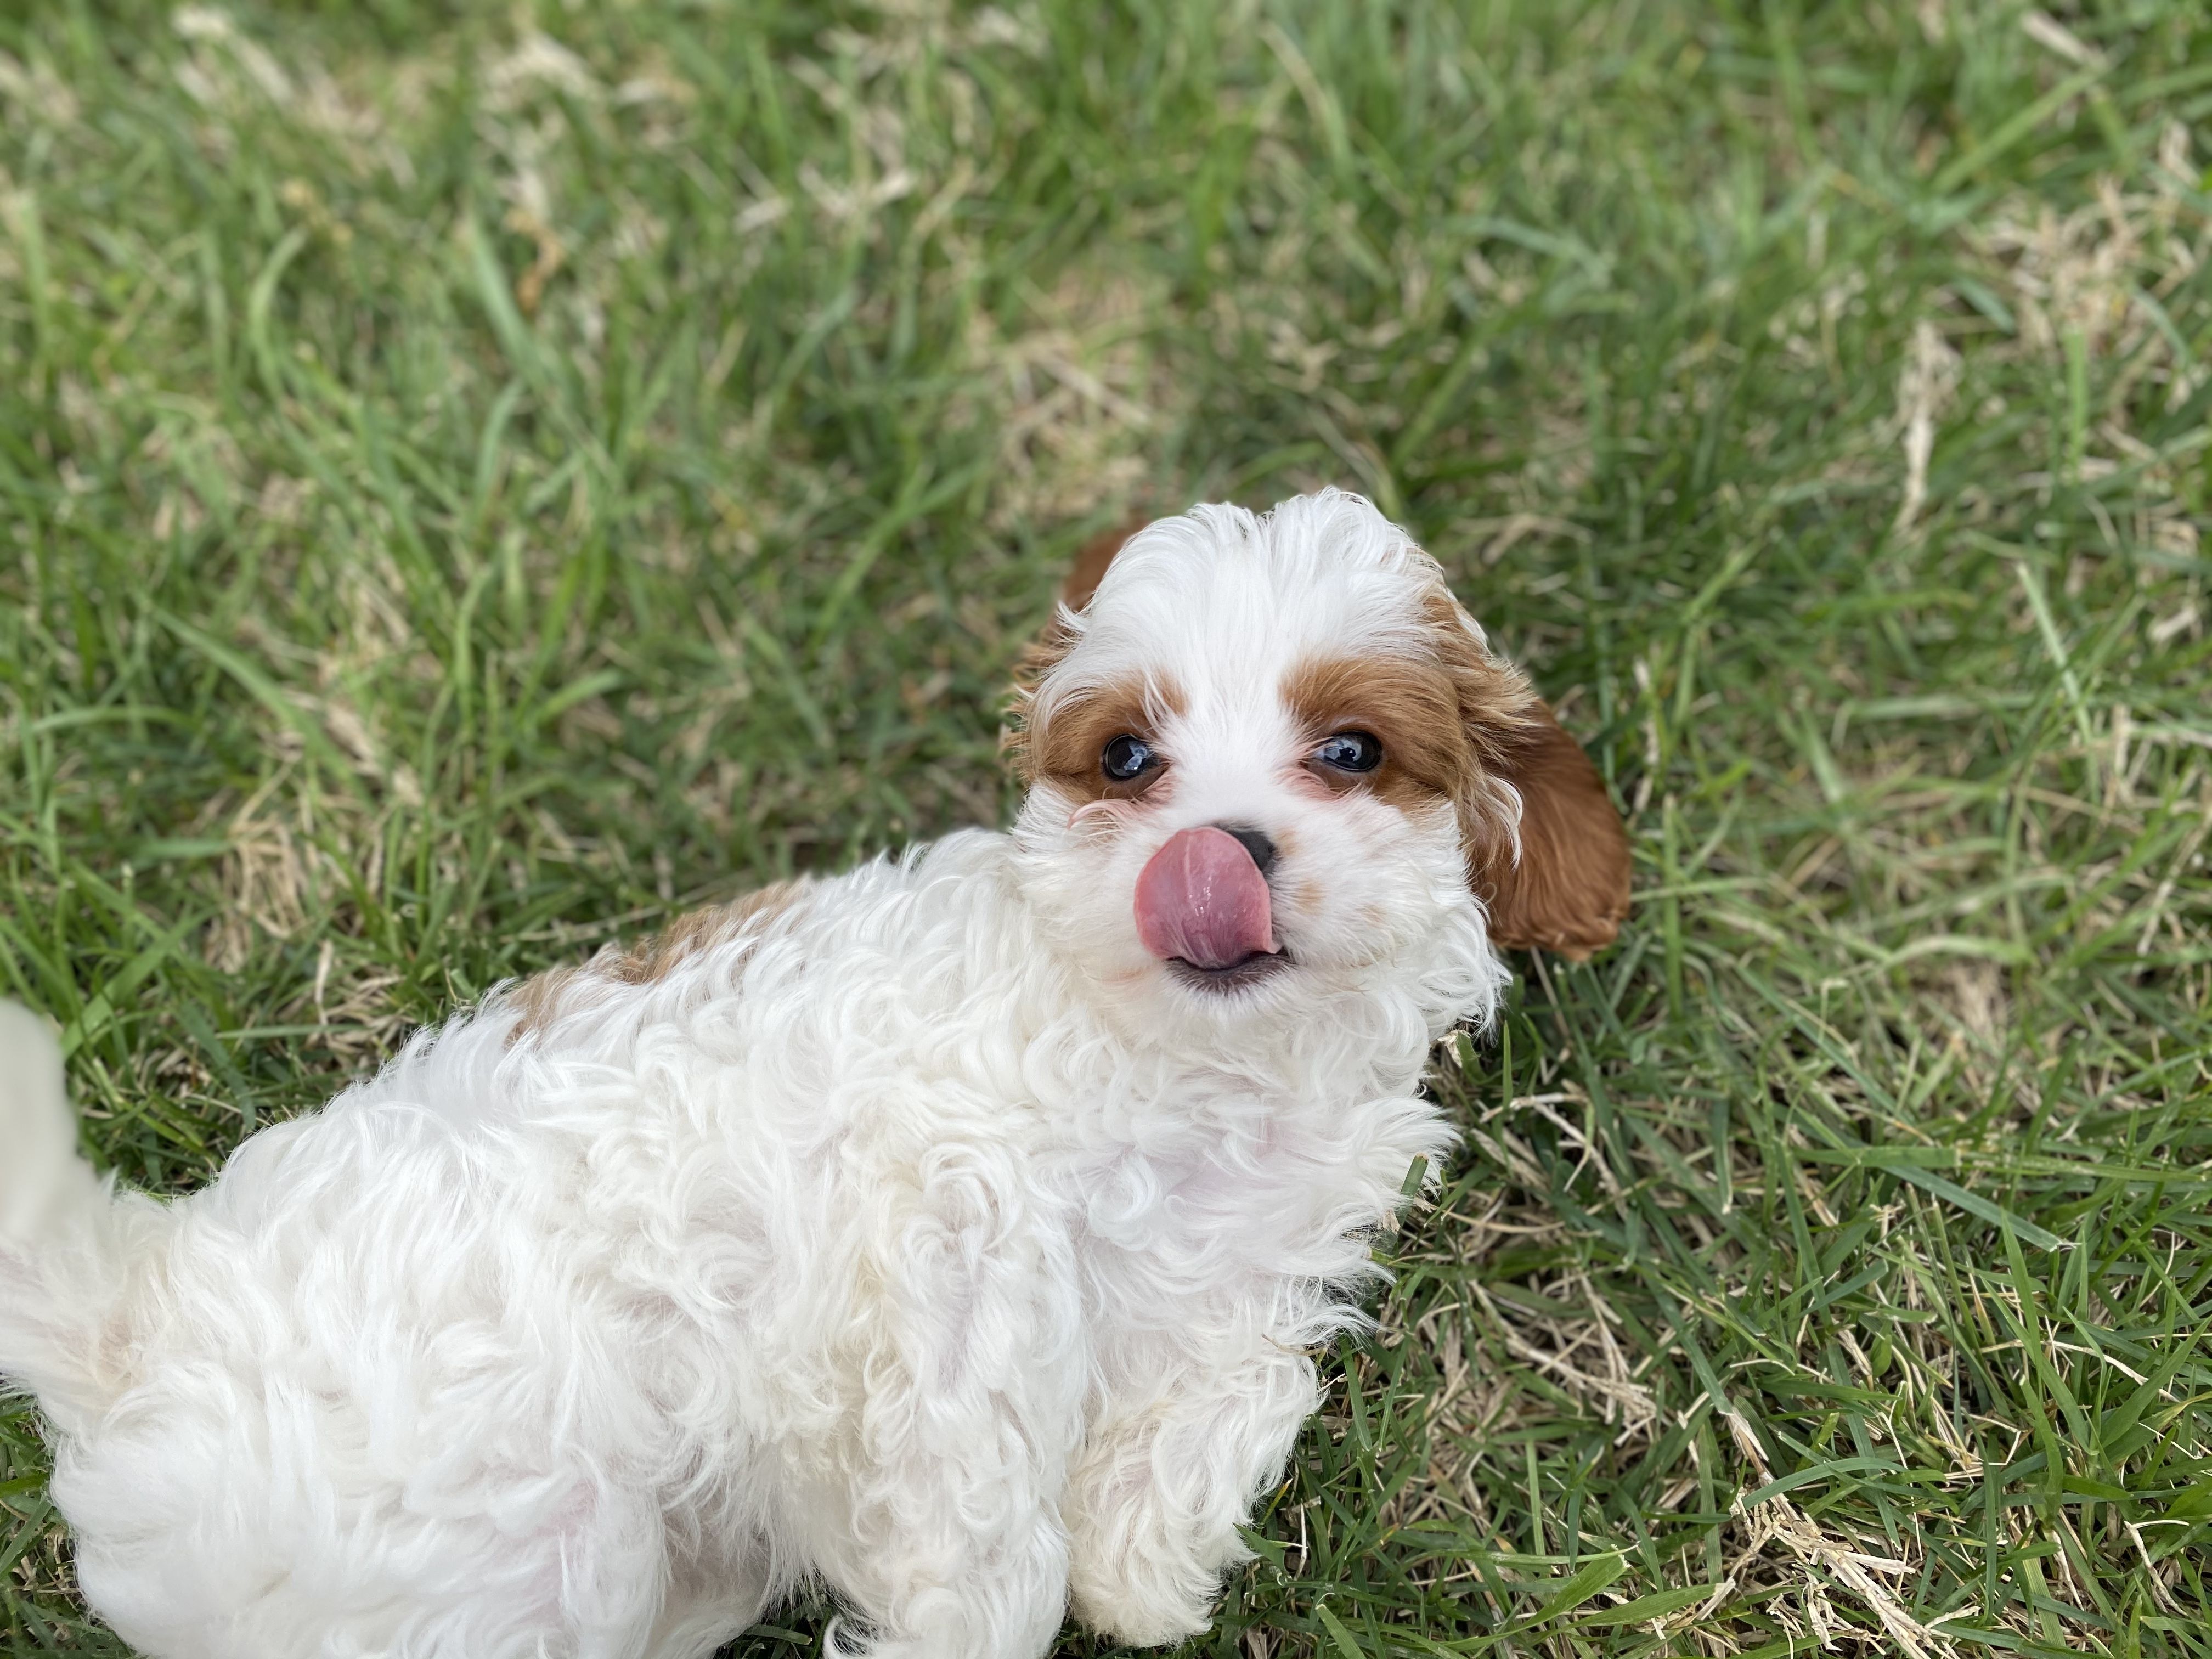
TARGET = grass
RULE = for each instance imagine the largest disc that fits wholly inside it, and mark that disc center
(475, 478)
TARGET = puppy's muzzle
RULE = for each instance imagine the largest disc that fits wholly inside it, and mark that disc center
(1203, 901)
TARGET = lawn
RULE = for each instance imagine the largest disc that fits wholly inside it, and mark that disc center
(475, 478)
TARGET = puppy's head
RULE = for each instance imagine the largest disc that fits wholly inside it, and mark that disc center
(1270, 759)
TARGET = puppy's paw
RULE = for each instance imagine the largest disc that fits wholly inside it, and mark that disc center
(1144, 1601)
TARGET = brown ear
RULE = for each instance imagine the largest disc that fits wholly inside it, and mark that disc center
(1568, 890)
(1040, 654)
(1090, 566)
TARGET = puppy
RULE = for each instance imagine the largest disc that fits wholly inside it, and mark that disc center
(953, 1234)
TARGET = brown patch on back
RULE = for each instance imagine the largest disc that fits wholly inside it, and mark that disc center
(653, 956)
(536, 1001)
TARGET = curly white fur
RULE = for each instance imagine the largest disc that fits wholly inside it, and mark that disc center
(922, 1237)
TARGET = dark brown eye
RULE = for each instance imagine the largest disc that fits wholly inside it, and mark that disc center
(1127, 759)
(1350, 751)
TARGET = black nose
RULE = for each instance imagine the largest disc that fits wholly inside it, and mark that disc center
(1261, 849)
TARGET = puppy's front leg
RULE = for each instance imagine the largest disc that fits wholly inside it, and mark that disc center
(959, 1584)
(966, 1377)
(1169, 1470)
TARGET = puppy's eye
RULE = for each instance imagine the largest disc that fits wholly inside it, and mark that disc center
(1350, 751)
(1127, 759)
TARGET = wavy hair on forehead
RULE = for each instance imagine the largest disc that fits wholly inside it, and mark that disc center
(1295, 548)
(1326, 538)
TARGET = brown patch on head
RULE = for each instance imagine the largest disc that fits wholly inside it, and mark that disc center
(1411, 704)
(653, 956)
(1464, 725)
(1043, 654)
(537, 1002)
(1067, 745)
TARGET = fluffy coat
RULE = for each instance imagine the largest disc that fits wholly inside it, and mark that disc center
(915, 1232)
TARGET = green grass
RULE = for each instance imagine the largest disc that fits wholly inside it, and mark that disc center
(465, 493)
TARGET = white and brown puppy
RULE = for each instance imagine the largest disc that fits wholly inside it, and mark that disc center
(953, 1233)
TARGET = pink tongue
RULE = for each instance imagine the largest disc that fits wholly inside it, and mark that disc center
(1203, 899)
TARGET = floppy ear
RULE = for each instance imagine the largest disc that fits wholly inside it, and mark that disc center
(1553, 875)
(1091, 561)
(1040, 654)
(1567, 890)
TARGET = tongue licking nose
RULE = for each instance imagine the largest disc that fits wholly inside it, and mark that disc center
(1202, 898)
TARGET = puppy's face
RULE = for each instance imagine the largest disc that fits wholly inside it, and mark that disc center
(1270, 760)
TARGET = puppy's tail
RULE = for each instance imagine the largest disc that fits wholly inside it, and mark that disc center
(62, 1237)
